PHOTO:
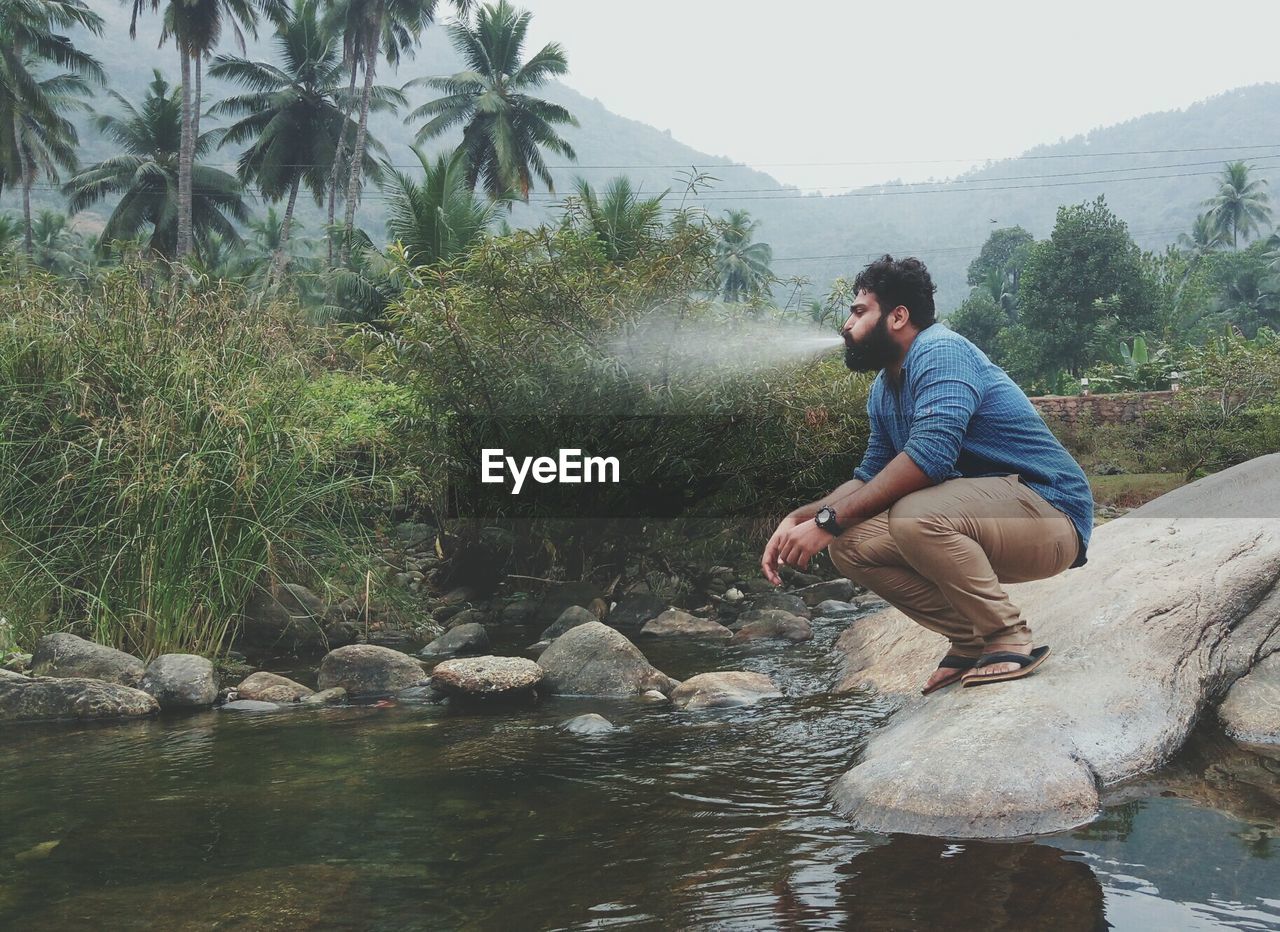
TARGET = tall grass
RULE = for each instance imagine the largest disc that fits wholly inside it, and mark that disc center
(158, 458)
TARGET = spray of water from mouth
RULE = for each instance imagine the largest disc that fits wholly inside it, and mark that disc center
(674, 346)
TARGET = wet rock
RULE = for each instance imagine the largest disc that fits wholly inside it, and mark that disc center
(595, 660)
(772, 624)
(462, 595)
(1176, 600)
(486, 677)
(251, 705)
(1251, 712)
(634, 609)
(519, 612)
(723, 690)
(464, 639)
(12, 675)
(468, 616)
(269, 687)
(422, 694)
(288, 619)
(675, 623)
(369, 670)
(65, 655)
(444, 613)
(733, 595)
(842, 590)
(571, 617)
(794, 577)
(652, 695)
(18, 663)
(834, 608)
(75, 698)
(556, 600)
(781, 601)
(588, 724)
(410, 534)
(181, 681)
(327, 696)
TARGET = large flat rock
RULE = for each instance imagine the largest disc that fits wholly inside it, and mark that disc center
(1178, 600)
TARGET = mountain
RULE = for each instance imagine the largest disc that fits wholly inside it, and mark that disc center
(1155, 170)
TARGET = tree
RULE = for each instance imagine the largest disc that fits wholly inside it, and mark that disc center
(1241, 206)
(1004, 252)
(439, 217)
(293, 115)
(980, 319)
(196, 28)
(1088, 270)
(145, 176)
(742, 266)
(1203, 238)
(621, 220)
(54, 246)
(504, 127)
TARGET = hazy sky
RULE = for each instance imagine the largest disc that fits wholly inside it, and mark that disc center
(940, 85)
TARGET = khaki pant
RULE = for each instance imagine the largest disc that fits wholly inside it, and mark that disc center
(940, 554)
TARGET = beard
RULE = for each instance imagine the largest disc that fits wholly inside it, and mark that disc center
(873, 353)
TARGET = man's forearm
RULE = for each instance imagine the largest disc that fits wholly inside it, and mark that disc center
(805, 512)
(867, 499)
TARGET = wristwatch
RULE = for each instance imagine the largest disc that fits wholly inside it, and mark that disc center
(826, 519)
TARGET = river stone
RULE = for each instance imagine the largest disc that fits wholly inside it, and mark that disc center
(464, 639)
(782, 601)
(486, 677)
(634, 609)
(834, 608)
(723, 690)
(675, 623)
(1176, 600)
(369, 670)
(13, 675)
(519, 612)
(562, 597)
(422, 694)
(181, 681)
(71, 698)
(842, 590)
(771, 623)
(65, 655)
(1251, 712)
(289, 619)
(589, 724)
(326, 696)
(251, 705)
(571, 617)
(270, 687)
(595, 660)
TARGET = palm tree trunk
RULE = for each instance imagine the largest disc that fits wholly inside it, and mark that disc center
(338, 153)
(277, 273)
(357, 153)
(185, 150)
(27, 175)
(195, 115)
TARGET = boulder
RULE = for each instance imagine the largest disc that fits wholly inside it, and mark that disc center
(327, 696)
(675, 623)
(634, 609)
(758, 625)
(464, 639)
(834, 608)
(65, 655)
(1251, 712)
(13, 675)
(33, 700)
(561, 597)
(486, 677)
(1177, 599)
(181, 681)
(842, 590)
(270, 687)
(519, 612)
(287, 620)
(571, 617)
(595, 660)
(589, 724)
(723, 690)
(251, 705)
(369, 670)
(782, 601)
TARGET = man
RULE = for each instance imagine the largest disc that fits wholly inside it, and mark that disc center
(962, 487)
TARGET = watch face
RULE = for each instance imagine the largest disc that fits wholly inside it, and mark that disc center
(826, 515)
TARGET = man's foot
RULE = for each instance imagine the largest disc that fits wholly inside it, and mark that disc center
(994, 668)
(1006, 665)
(948, 672)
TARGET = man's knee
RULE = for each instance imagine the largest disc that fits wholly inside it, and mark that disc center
(850, 554)
(913, 518)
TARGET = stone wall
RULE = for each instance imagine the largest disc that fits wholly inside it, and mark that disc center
(1116, 408)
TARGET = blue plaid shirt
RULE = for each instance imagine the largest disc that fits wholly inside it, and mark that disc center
(958, 414)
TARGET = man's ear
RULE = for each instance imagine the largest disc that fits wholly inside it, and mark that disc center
(899, 317)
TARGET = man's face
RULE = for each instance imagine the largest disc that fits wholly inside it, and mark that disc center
(868, 347)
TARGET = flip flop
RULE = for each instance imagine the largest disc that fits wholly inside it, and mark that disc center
(1026, 663)
(950, 662)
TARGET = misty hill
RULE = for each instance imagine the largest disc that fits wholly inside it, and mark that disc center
(1154, 170)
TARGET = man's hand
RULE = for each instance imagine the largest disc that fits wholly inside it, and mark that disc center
(793, 543)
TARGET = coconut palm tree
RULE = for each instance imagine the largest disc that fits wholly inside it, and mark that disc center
(742, 266)
(293, 115)
(504, 127)
(55, 245)
(391, 27)
(439, 217)
(621, 220)
(1203, 238)
(1241, 206)
(10, 232)
(196, 27)
(145, 176)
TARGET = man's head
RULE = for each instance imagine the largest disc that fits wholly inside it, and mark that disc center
(894, 302)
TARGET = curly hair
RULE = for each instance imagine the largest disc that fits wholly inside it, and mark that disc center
(903, 282)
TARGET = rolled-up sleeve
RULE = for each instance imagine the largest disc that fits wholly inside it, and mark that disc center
(879, 450)
(946, 386)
